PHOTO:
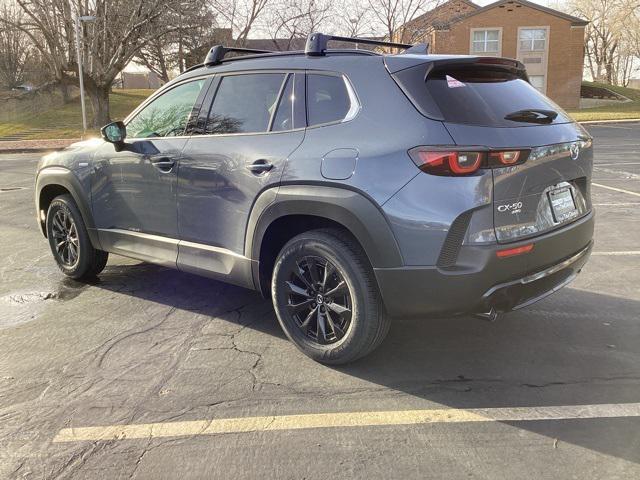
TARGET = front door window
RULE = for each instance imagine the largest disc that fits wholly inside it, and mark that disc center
(167, 115)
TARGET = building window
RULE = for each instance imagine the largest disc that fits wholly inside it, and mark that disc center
(485, 41)
(533, 39)
(537, 82)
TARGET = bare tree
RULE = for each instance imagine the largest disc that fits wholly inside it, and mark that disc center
(157, 57)
(354, 18)
(295, 19)
(394, 15)
(196, 28)
(14, 47)
(608, 40)
(50, 33)
(240, 15)
(108, 43)
(632, 27)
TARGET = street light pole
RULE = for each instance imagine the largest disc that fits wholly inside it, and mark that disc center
(79, 19)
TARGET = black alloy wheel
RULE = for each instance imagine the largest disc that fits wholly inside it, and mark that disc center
(69, 240)
(65, 237)
(319, 299)
(326, 297)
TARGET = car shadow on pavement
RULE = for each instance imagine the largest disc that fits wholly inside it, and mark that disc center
(573, 348)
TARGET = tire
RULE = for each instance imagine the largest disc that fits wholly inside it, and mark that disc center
(70, 244)
(352, 321)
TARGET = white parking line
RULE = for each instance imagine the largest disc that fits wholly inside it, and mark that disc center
(621, 173)
(345, 420)
(617, 254)
(615, 189)
(613, 164)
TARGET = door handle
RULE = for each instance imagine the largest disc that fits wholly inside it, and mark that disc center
(165, 164)
(260, 166)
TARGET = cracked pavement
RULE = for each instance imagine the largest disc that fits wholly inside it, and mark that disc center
(145, 344)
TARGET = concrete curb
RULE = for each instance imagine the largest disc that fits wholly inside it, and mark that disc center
(29, 150)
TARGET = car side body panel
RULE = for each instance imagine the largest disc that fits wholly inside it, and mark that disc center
(70, 169)
(347, 207)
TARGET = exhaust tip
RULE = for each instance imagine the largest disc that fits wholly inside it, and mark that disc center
(489, 316)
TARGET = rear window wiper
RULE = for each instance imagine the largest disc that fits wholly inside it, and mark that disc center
(532, 115)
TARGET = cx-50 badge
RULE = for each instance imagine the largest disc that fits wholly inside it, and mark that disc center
(513, 208)
(575, 151)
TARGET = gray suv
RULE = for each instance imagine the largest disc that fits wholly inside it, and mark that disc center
(349, 186)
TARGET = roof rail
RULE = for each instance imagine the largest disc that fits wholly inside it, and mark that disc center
(218, 52)
(317, 43)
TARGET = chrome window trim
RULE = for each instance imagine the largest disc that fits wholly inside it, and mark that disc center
(353, 98)
(354, 108)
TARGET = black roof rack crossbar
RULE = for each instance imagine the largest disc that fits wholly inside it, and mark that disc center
(218, 52)
(317, 43)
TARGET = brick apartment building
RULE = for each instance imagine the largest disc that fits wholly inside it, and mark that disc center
(549, 43)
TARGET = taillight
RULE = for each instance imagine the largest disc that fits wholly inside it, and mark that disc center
(446, 162)
(504, 158)
(460, 162)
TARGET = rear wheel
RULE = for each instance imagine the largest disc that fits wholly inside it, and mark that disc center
(326, 297)
(69, 241)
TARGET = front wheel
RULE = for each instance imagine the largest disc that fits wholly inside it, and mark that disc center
(326, 297)
(69, 240)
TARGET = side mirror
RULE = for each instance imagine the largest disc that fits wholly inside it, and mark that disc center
(114, 132)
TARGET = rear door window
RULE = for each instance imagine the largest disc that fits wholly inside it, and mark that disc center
(244, 103)
(485, 97)
(328, 99)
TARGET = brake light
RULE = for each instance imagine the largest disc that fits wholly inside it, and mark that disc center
(460, 162)
(505, 158)
(447, 162)
(511, 252)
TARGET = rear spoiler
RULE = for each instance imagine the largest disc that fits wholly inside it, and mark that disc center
(396, 63)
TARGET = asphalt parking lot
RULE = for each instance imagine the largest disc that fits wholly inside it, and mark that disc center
(133, 376)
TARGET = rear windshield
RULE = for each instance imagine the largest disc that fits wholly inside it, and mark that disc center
(485, 96)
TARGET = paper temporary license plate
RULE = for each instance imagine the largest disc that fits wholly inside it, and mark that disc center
(563, 206)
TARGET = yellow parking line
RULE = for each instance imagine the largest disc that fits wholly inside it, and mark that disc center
(347, 419)
(615, 189)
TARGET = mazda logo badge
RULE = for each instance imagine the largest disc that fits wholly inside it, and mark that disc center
(575, 151)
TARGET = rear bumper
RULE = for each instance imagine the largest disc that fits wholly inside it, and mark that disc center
(480, 280)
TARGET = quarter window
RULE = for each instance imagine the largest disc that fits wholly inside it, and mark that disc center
(485, 41)
(328, 99)
(533, 39)
(167, 115)
(244, 103)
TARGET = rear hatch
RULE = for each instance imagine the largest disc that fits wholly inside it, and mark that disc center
(488, 104)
